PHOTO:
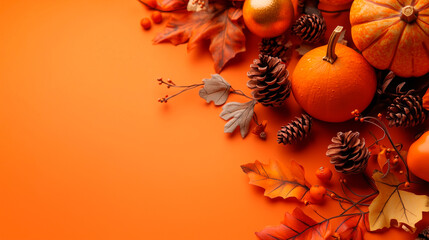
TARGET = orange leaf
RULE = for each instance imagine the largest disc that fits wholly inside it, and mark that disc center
(297, 226)
(221, 25)
(278, 179)
(353, 227)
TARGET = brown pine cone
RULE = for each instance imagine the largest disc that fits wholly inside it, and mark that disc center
(406, 111)
(295, 131)
(348, 153)
(276, 47)
(269, 80)
(310, 28)
(424, 235)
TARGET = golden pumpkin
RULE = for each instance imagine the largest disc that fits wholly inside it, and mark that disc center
(393, 34)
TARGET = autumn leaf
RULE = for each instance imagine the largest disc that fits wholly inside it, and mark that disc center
(386, 82)
(166, 5)
(172, 5)
(240, 114)
(394, 204)
(221, 25)
(279, 179)
(297, 226)
(353, 227)
(304, 48)
(215, 90)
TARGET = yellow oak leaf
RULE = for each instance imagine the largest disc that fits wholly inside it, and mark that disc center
(279, 179)
(394, 204)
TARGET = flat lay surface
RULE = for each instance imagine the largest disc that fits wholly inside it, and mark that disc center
(87, 152)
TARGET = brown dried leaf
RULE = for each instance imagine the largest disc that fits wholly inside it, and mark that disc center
(394, 204)
(387, 80)
(240, 114)
(304, 48)
(215, 90)
(221, 25)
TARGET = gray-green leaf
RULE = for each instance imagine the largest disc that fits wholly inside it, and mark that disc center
(240, 114)
(215, 89)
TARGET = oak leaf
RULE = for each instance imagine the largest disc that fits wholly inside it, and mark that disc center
(215, 90)
(297, 226)
(279, 179)
(353, 227)
(221, 25)
(240, 114)
(404, 207)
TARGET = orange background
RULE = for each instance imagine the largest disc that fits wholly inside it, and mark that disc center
(86, 152)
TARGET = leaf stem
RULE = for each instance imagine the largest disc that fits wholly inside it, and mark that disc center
(369, 119)
(241, 93)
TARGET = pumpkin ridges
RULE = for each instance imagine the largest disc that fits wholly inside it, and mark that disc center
(421, 8)
(381, 36)
(421, 28)
(397, 45)
(368, 11)
(381, 52)
(413, 59)
(385, 5)
(380, 19)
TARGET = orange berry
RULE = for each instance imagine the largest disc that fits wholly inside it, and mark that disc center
(333, 195)
(407, 185)
(317, 193)
(146, 24)
(395, 160)
(324, 174)
(156, 17)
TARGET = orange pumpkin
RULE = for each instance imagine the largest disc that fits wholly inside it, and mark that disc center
(393, 34)
(329, 88)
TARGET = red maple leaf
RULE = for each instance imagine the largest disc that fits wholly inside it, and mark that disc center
(221, 25)
(297, 226)
(353, 227)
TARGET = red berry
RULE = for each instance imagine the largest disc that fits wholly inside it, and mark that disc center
(317, 193)
(407, 185)
(324, 174)
(146, 24)
(156, 17)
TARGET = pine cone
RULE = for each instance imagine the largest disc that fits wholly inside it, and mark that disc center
(310, 28)
(295, 131)
(276, 47)
(348, 153)
(424, 235)
(269, 80)
(406, 111)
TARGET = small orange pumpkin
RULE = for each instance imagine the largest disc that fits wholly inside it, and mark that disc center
(393, 34)
(329, 88)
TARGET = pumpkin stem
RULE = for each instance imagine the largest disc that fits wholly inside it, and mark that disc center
(333, 39)
(409, 14)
